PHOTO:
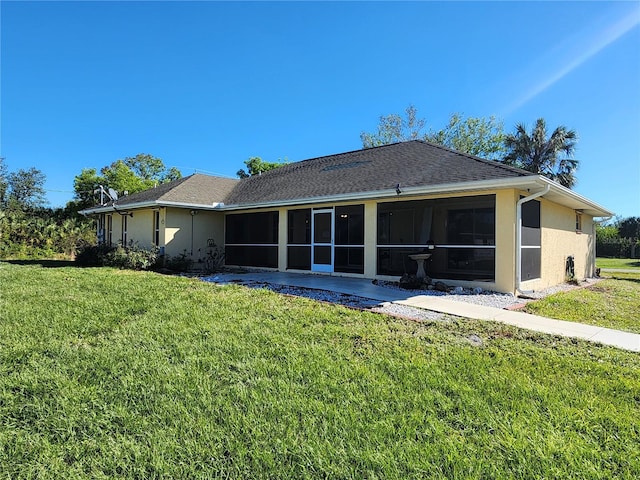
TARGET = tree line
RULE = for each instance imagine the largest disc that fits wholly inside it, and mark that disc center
(28, 229)
(537, 150)
(619, 238)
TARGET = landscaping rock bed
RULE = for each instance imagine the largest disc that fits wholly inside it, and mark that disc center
(459, 294)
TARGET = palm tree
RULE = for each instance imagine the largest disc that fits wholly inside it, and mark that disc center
(548, 156)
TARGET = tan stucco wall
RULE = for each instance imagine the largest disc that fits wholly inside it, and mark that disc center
(505, 240)
(560, 240)
(140, 228)
(370, 236)
(283, 226)
(181, 234)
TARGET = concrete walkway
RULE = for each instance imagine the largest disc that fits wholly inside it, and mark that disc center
(364, 288)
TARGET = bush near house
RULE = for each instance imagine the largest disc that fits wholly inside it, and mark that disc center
(131, 257)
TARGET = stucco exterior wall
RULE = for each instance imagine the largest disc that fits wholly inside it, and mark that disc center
(184, 232)
(140, 228)
(559, 240)
(506, 201)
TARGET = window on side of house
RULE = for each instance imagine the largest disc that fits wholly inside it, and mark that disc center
(578, 222)
(100, 228)
(156, 228)
(124, 230)
(531, 251)
(109, 239)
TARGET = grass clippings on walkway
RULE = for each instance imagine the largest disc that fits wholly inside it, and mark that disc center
(115, 374)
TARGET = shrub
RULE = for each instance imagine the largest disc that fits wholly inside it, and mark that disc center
(93, 255)
(615, 247)
(132, 257)
(181, 263)
(214, 258)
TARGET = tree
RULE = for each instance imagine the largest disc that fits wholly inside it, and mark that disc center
(26, 189)
(477, 136)
(474, 136)
(256, 166)
(629, 228)
(545, 155)
(4, 182)
(394, 128)
(131, 175)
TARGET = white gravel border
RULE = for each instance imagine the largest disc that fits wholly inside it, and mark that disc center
(458, 294)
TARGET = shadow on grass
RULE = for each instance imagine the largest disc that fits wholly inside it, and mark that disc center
(44, 263)
(625, 279)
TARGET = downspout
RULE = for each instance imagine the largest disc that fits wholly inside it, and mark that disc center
(519, 233)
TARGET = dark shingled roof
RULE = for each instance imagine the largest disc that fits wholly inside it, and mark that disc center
(196, 189)
(410, 164)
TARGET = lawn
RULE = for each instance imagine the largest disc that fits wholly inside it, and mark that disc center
(118, 374)
(623, 263)
(613, 303)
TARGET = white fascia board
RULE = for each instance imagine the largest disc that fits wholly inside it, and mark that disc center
(590, 207)
(152, 204)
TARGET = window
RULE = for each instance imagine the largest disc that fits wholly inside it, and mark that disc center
(124, 230)
(109, 239)
(251, 239)
(578, 222)
(100, 228)
(156, 228)
(530, 238)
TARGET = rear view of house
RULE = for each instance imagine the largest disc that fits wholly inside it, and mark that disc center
(368, 213)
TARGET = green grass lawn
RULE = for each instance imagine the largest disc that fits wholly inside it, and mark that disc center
(118, 374)
(624, 263)
(613, 303)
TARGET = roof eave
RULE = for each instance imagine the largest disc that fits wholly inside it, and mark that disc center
(561, 194)
(149, 204)
(573, 200)
(392, 193)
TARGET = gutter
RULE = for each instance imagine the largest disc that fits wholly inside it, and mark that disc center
(519, 233)
(150, 204)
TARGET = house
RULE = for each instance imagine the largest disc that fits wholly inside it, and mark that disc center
(365, 213)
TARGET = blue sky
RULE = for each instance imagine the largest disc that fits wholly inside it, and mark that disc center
(206, 85)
